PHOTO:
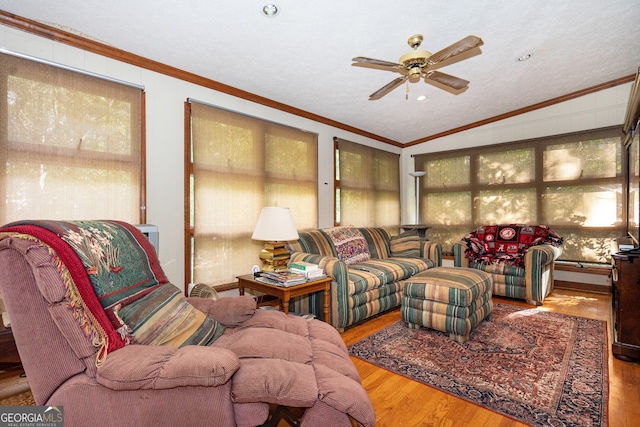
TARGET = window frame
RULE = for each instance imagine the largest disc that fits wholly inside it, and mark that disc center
(267, 132)
(537, 183)
(373, 188)
(72, 79)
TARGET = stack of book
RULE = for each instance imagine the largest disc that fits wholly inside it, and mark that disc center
(312, 271)
(284, 277)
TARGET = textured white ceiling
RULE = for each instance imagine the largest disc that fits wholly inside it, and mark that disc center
(302, 57)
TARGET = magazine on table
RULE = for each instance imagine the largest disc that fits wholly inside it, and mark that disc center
(265, 279)
(285, 277)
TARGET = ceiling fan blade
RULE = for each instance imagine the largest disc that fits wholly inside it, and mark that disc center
(451, 84)
(457, 48)
(376, 64)
(395, 67)
(387, 88)
(447, 88)
(447, 79)
(362, 61)
(454, 59)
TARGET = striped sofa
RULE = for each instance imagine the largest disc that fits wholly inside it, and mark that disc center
(368, 267)
(526, 271)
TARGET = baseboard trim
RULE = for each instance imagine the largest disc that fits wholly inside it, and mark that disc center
(580, 268)
(587, 287)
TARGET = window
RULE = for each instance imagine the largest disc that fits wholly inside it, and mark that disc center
(367, 186)
(237, 165)
(71, 145)
(573, 183)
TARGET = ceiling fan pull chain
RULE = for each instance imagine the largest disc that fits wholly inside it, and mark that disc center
(406, 95)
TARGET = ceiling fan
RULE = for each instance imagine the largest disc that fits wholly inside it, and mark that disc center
(420, 64)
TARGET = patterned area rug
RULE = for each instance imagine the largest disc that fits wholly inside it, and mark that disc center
(538, 367)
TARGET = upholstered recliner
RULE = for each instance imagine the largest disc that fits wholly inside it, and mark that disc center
(520, 258)
(101, 332)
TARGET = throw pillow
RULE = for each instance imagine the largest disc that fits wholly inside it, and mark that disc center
(164, 317)
(406, 245)
(230, 311)
(350, 244)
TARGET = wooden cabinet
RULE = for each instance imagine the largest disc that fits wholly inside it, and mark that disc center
(626, 307)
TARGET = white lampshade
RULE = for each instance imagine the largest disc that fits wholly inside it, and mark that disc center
(275, 225)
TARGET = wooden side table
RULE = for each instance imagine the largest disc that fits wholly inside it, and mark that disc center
(285, 293)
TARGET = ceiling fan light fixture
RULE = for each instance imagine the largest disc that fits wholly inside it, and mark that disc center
(270, 10)
(414, 74)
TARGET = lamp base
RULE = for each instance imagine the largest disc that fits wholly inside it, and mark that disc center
(274, 256)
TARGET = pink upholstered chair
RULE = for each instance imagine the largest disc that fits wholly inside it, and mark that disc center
(253, 360)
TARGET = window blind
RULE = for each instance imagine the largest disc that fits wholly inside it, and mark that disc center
(72, 147)
(239, 165)
(368, 186)
(573, 183)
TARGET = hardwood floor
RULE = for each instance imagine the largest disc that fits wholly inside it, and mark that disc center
(12, 381)
(399, 401)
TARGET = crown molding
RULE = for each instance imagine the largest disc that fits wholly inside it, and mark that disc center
(102, 49)
(96, 47)
(523, 110)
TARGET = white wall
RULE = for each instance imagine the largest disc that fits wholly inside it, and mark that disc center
(165, 98)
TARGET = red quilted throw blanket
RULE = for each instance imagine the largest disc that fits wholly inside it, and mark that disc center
(507, 243)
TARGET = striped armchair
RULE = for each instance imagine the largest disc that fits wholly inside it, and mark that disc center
(520, 258)
(368, 267)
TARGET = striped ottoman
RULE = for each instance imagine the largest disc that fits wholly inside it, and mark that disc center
(447, 299)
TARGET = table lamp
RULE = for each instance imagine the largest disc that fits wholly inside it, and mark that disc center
(275, 227)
